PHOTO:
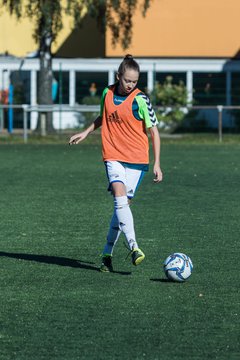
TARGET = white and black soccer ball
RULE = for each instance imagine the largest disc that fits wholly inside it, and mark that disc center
(178, 267)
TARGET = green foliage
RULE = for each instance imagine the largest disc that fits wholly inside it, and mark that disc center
(170, 100)
(91, 100)
(169, 94)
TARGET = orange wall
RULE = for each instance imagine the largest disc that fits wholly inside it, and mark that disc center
(185, 28)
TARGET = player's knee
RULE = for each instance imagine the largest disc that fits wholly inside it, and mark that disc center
(118, 189)
(120, 202)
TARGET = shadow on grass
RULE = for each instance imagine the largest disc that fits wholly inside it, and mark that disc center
(162, 280)
(56, 260)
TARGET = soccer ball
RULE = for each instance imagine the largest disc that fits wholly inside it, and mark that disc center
(178, 267)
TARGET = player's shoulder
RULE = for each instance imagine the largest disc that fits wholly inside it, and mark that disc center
(143, 99)
(107, 88)
(146, 108)
(104, 93)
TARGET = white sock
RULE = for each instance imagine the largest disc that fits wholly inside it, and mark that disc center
(125, 219)
(113, 235)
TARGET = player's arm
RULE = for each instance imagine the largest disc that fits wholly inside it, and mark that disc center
(77, 138)
(156, 151)
(147, 113)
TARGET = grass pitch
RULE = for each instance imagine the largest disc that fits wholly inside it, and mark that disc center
(55, 211)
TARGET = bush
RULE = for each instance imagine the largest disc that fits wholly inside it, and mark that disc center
(170, 102)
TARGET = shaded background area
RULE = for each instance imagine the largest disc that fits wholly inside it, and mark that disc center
(85, 42)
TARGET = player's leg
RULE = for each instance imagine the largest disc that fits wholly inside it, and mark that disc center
(112, 237)
(122, 219)
(124, 214)
(134, 178)
(121, 192)
(114, 229)
(115, 173)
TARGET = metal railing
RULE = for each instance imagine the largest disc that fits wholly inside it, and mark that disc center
(43, 109)
(95, 108)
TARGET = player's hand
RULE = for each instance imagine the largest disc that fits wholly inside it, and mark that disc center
(158, 174)
(75, 139)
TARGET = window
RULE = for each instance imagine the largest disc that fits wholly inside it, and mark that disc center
(209, 88)
(236, 88)
(21, 87)
(84, 81)
(60, 89)
(20, 80)
(176, 77)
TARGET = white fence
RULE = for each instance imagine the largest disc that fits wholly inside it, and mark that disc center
(59, 121)
(69, 122)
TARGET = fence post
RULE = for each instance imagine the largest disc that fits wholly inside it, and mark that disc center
(1, 119)
(220, 109)
(43, 124)
(25, 134)
(60, 96)
(10, 109)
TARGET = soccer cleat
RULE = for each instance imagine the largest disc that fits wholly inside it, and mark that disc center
(137, 256)
(106, 265)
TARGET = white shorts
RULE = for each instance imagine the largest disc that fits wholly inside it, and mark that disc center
(131, 178)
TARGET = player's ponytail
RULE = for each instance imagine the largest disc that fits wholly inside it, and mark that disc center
(128, 63)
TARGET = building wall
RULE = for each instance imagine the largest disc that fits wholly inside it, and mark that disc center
(86, 42)
(16, 35)
(185, 28)
(172, 28)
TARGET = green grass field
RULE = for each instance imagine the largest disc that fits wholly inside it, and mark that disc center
(55, 210)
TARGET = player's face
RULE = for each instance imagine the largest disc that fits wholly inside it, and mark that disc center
(127, 81)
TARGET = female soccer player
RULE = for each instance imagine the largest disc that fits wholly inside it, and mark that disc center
(126, 113)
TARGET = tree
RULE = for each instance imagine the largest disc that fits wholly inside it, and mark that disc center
(171, 101)
(47, 18)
